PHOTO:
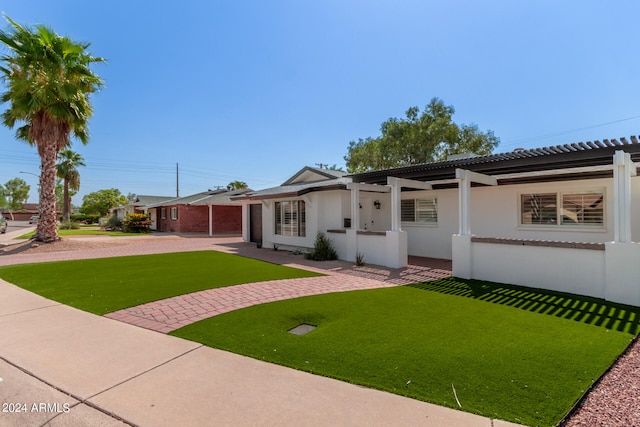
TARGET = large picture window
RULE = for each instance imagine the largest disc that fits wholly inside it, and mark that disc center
(423, 211)
(291, 218)
(585, 209)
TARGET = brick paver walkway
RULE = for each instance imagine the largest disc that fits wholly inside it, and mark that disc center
(169, 314)
(173, 313)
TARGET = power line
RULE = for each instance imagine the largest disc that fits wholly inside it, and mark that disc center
(565, 132)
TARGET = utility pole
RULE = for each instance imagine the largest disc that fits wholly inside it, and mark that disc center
(320, 165)
(177, 186)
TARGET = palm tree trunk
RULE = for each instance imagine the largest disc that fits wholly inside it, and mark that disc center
(47, 230)
(66, 210)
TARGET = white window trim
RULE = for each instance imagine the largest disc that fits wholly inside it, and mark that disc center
(563, 227)
(174, 210)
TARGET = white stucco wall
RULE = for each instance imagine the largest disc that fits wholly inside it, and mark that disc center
(495, 212)
(323, 212)
(433, 240)
(541, 267)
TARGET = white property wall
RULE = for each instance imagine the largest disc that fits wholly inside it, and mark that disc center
(610, 273)
(576, 271)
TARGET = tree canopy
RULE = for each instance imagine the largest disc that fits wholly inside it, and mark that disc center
(421, 137)
(99, 202)
(16, 191)
(236, 185)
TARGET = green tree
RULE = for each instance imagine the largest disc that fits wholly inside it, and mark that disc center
(48, 81)
(3, 198)
(99, 202)
(419, 138)
(236, 185)
(67, 169)
(16, 191)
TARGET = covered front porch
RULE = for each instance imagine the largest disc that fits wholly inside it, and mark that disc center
(608, 270)
(604, 263)
(373, 206)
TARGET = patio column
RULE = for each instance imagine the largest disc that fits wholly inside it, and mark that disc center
(395, 203)
(352, 233)
(465, 177)
(355, 205)
(623, 170)
(464, 197)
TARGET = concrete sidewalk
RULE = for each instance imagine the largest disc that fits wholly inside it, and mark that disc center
(64, 367)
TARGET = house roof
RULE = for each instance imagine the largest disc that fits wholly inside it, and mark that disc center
(581, 154)
(306, 180)
(142, 200)
(220, 198)
(209, 197)
(296, 190)
(30, 206)
(311, 174)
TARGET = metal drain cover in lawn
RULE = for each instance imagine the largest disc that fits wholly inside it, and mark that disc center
(302, 329)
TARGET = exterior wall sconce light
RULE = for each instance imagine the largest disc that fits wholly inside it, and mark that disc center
(377, 204)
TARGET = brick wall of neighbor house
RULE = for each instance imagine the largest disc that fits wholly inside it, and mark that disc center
(195, 219)
(227, 219)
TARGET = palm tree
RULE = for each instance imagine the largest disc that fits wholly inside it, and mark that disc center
(67, 169)
(236, 185)
(48, 82)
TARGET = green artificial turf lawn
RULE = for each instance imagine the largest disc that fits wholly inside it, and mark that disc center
(109, 284)
(512, 353)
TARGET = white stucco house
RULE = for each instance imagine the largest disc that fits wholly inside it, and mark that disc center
(564, 218)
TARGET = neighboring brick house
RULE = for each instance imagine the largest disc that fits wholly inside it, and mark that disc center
(211, 212)
(24, 213)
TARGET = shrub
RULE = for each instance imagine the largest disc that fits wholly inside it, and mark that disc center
(136, 223)
(112, 224)
(322, 249)
(87, 219)
(71, 225)
(360, 259)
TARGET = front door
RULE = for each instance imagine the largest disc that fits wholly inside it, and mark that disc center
(153, 217)
(255, 223)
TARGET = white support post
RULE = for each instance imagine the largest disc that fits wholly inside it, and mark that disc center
(395, 203)
(355, 206)
(623, 169)
(464, 193)
(352, 233)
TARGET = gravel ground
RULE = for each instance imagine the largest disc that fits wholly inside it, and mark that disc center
(613, 402)
(64, 244)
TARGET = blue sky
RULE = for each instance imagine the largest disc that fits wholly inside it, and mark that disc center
(255, 90)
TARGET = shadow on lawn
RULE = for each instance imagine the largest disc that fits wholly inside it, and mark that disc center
(592, 311)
